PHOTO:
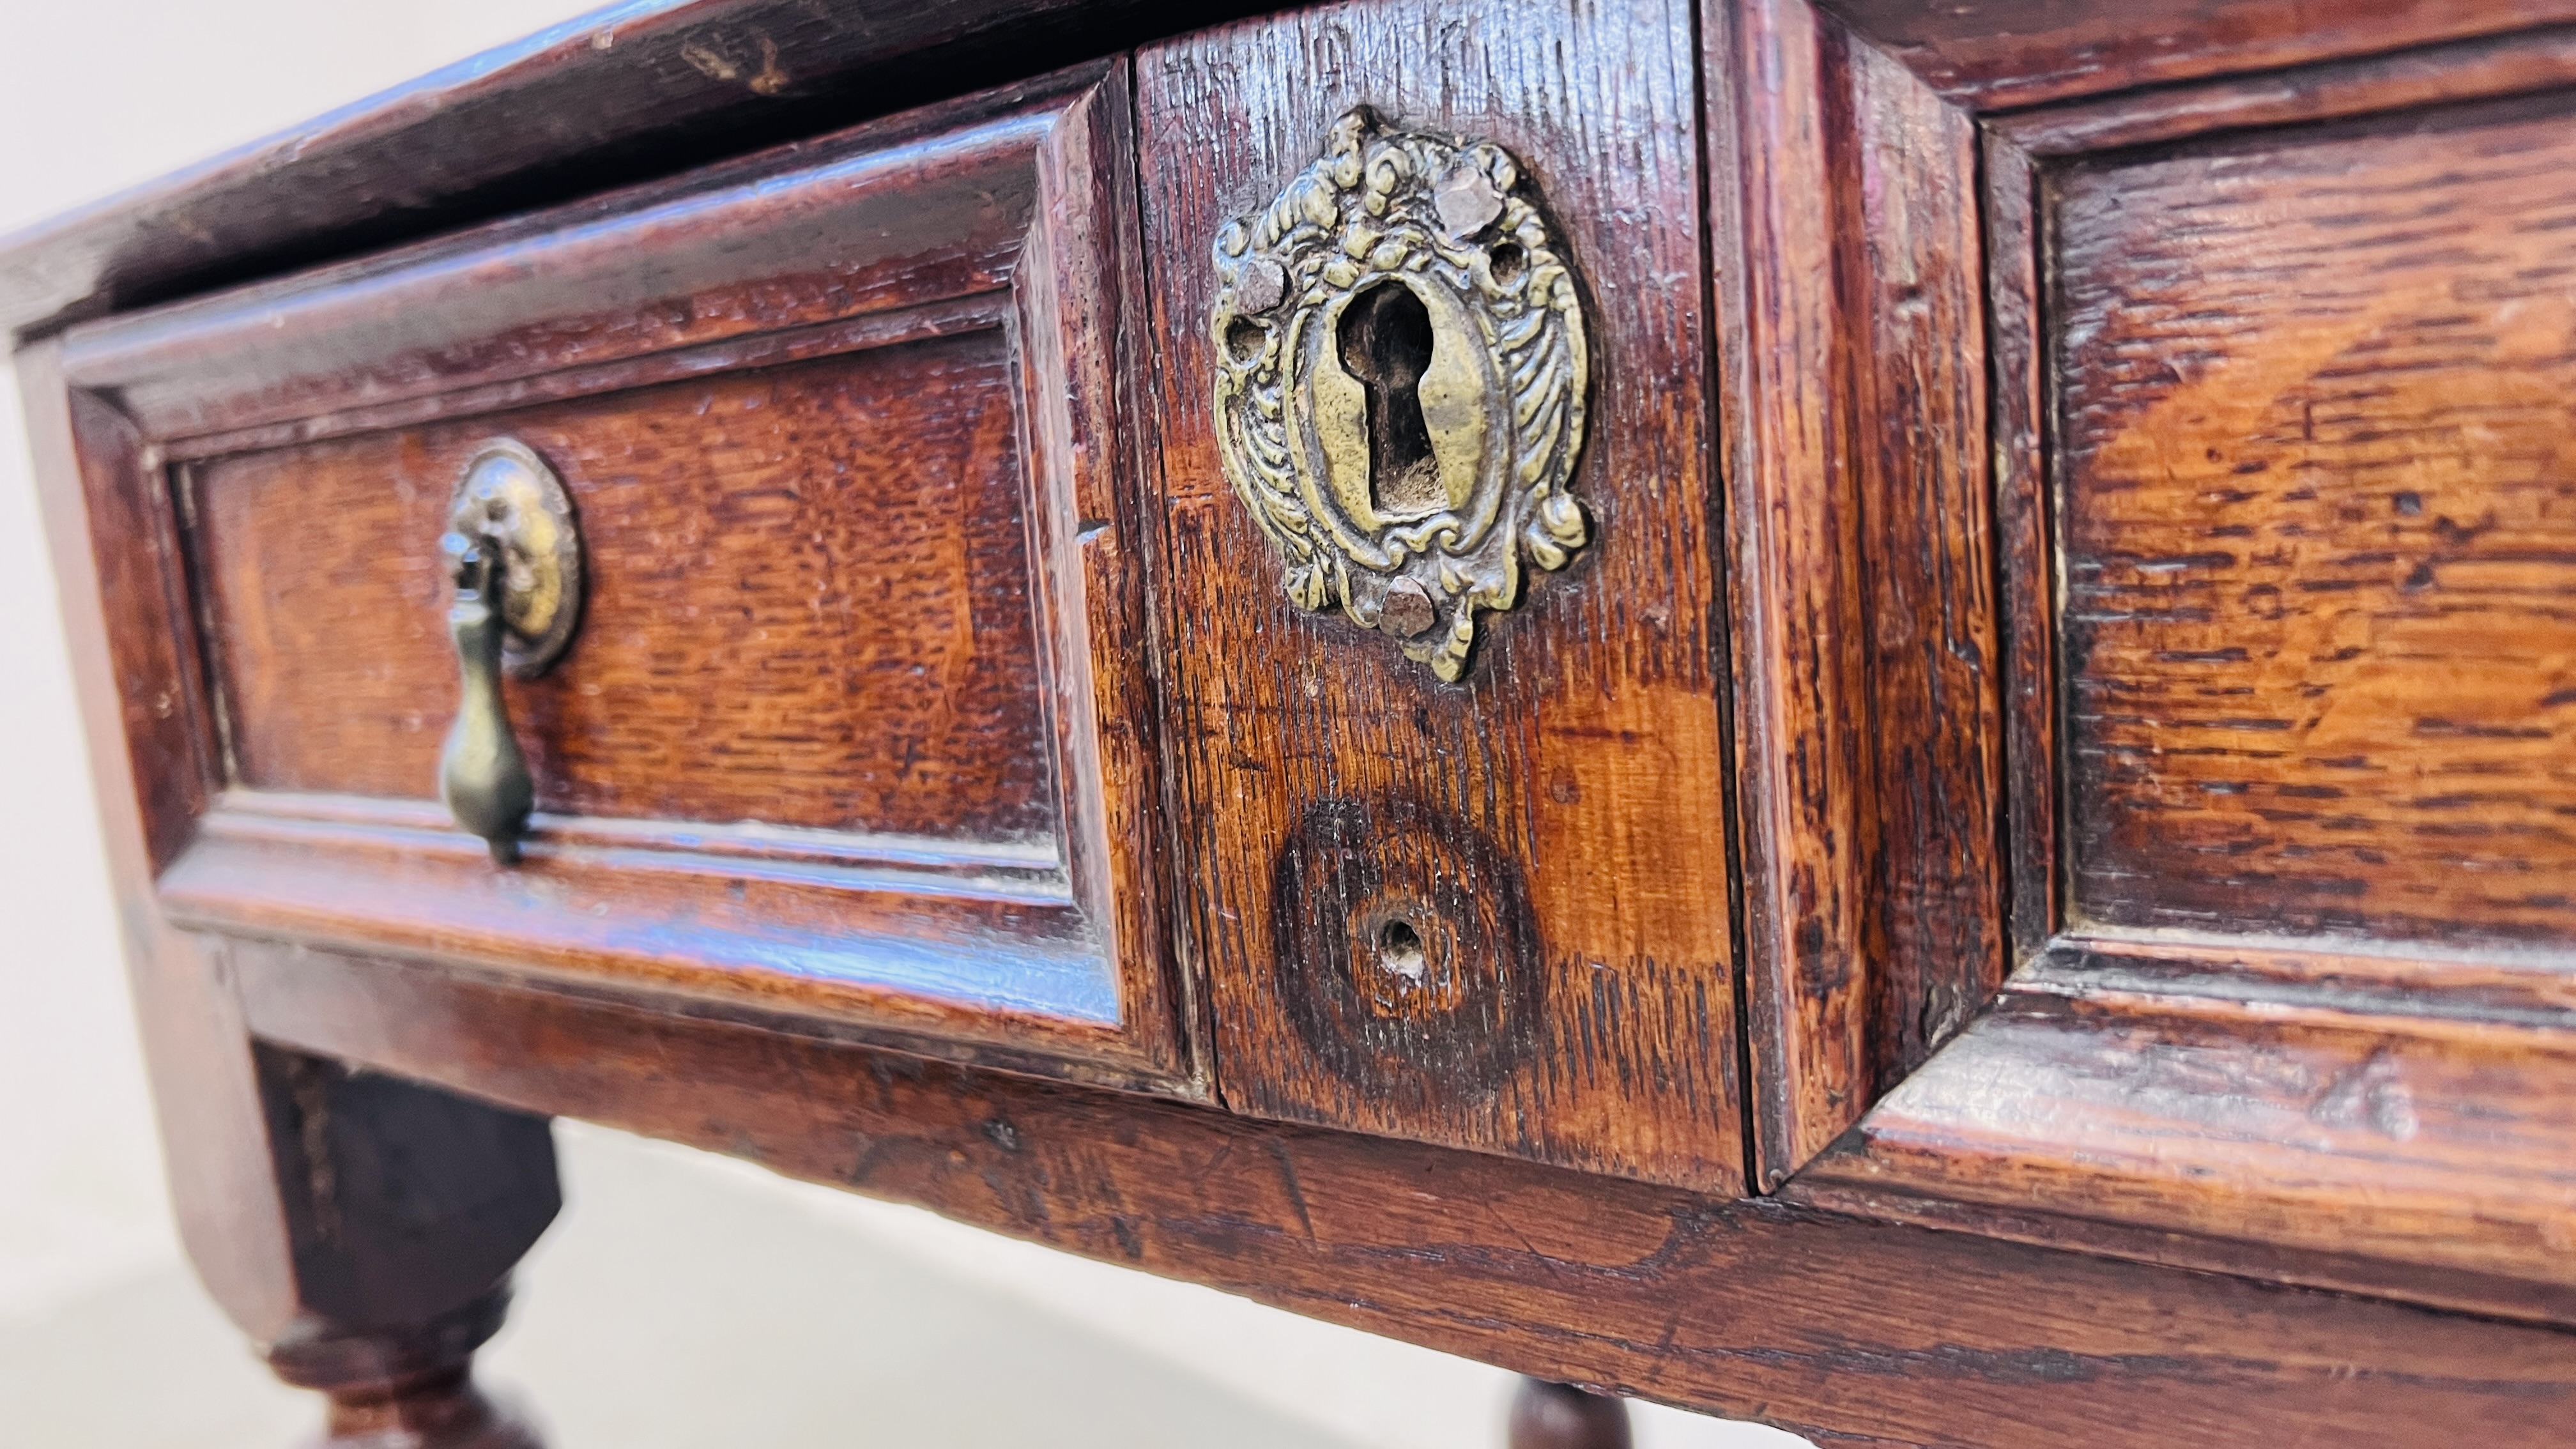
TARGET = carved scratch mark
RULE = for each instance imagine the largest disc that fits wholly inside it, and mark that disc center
(1288, 1183)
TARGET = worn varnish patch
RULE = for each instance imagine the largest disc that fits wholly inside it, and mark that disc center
(2318, 525)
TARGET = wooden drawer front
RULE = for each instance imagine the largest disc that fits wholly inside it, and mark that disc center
(1549, 828)
(2318, 529)
(854, 727)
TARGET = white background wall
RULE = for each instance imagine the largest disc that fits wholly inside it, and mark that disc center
(97, 95)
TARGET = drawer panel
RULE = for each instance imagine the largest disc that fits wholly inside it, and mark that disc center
(810, 602)
(2319, 531)
(1479, 901)
(854, 734)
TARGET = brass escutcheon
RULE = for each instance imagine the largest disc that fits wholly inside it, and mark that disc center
(1401, 375)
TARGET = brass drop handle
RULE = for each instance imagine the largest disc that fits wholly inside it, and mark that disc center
(482, 773)
(515, 553)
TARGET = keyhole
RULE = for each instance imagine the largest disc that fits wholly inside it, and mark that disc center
(1386, 345)
(1399, 950)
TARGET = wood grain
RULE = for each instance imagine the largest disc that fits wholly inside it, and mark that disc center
(809, 603)
(1867, 701)
(1847, 1332)
(2024, 543)
(2198, 1063)
(1912, 279)
(943, 957)
(1998, 54)
(2482, 69)
(1326, 784)
(2319, 526)
(900, 214)
(1803, 766)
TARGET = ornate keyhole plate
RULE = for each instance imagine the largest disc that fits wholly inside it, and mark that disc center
(1400, 383)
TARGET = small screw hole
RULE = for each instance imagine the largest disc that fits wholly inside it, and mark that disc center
(1508, 262)
(1399, 950)
(1245, 339)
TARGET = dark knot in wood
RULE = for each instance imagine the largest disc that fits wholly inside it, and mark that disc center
(1408, 959)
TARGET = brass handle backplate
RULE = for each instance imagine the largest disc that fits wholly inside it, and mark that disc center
(515, 552)
(1401, 375)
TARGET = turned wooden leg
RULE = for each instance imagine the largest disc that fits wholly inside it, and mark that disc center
(1561, 1416)
(403, 1209)
(409, 1388)
(360, 1229)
